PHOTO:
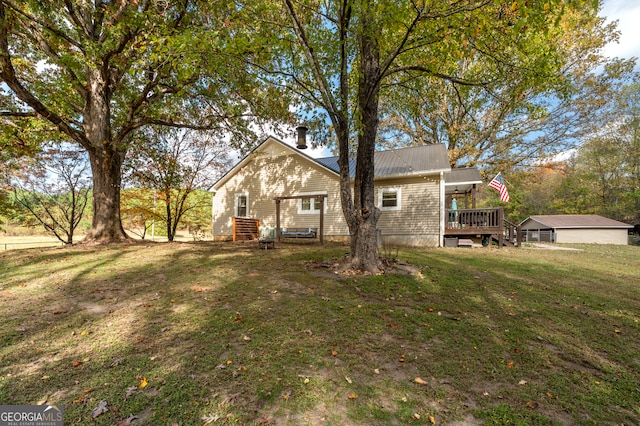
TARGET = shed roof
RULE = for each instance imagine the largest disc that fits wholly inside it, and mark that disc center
(573, 221)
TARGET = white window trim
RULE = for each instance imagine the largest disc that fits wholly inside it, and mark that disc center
(398, 192)
(235, 203)
(312, 211)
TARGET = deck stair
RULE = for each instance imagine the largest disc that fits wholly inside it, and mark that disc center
(245, 229)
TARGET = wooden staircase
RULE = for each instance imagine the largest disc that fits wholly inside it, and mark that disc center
(511, 235)
(245, 229)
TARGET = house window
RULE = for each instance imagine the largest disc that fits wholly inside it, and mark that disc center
(389, 198)
(242, 203)
(310, 205)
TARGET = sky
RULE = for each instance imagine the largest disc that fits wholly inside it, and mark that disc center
(626, 12)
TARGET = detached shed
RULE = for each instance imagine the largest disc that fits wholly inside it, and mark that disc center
(575, 228)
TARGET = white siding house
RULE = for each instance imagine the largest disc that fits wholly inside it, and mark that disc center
(409, 185)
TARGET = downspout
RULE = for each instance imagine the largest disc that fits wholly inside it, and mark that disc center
(441, 210)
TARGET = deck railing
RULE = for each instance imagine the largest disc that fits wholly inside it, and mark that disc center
(486, 218)
(488, 222)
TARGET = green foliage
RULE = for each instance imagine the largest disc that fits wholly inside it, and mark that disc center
(138, 208)
(176, 168)
(99, 71)
(541, 91)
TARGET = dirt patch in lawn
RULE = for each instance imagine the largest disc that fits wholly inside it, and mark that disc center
(335, 267)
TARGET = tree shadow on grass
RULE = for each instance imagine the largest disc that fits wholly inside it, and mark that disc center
(178, 333)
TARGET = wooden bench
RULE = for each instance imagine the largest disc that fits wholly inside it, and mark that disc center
(465, 242)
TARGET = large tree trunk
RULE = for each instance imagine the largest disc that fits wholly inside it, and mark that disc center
(364, 250)
(106, 160)
(106, 170)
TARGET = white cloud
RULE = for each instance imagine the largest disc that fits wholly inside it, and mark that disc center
(627, 13)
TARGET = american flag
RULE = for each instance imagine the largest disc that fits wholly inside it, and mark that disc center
(498, 184)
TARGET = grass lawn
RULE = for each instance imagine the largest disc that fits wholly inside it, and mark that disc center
(207, 333)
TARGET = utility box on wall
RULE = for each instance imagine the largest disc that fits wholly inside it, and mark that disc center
(451, 242)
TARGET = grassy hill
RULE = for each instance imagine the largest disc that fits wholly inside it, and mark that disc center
(204, 333)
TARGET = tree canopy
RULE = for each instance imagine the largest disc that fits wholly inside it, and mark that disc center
(526, 115)
(98, 71)
(344, 59)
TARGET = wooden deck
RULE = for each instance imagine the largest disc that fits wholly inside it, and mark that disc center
(487, 223)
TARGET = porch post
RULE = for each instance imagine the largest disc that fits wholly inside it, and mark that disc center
(321, 219)
(473, 196)
(500, 227)
(443, 211)
(278, 234)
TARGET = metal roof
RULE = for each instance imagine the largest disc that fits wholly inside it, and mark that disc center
(461, 180)
(575, 221)
(469, 175)
(413, 161)
(417, 160)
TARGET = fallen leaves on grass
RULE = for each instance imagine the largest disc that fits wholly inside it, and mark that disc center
(230, 399)
(353, 396)
(127, 421)
(100, 409)
(76, 363)
(419, 381)
(117, 362)
(389, 322)
(130, 392)
(143, 383)
(210, 418)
